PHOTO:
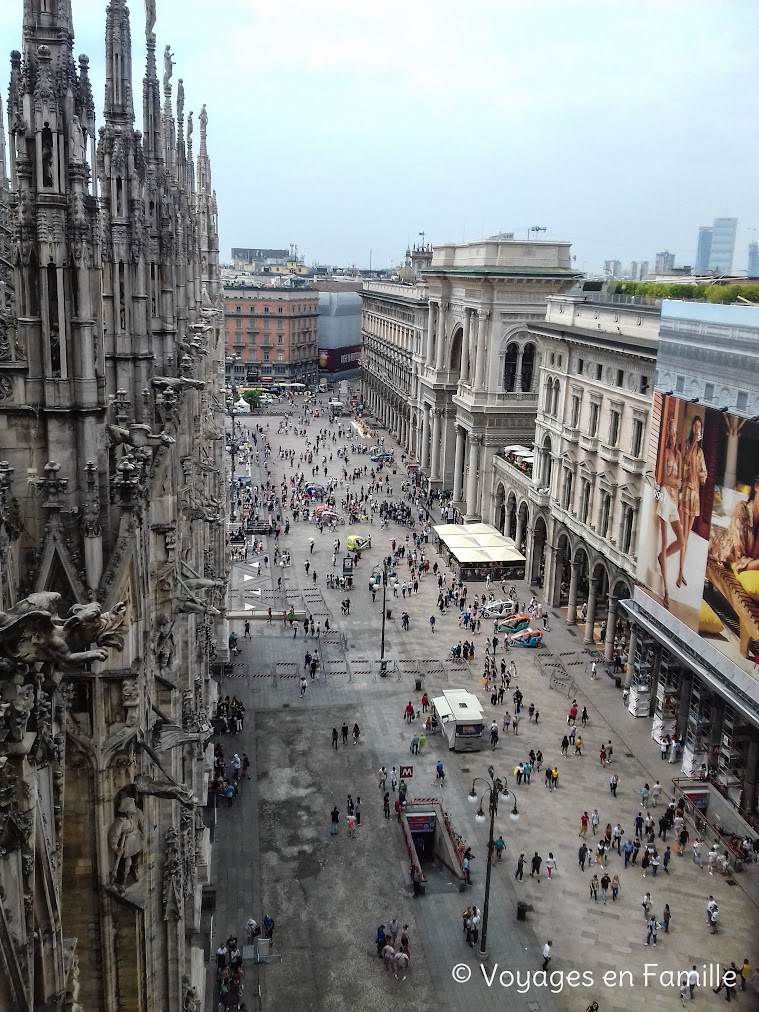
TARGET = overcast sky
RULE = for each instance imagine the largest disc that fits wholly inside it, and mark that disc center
(350, 126)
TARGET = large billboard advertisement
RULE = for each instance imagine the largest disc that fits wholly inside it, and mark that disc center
(699, 549)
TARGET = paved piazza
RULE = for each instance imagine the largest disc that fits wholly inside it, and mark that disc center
(274, 853)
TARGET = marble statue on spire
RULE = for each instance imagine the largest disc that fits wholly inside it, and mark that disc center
(150, 17)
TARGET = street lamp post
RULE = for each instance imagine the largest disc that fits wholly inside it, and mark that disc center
(383, 667)
(495, 787)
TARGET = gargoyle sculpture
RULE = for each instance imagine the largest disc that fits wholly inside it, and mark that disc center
(176, 383)
(31, 631)
(196, 608)
(139, 435)
(203, 583)
(165, 789)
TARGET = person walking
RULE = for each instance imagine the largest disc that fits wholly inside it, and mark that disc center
(519, 873)
(334, 737)
(594, 888)
(666, 918)
(382, 777)
(653, 927)
(303, 686)
(393, 779)
(386, 804)
(493, 735)
(614, 783)
(535, 864)
(334, 820)
(547, 954)
(582, 855)
(594, 820)
(344, 731)
(584, 820)
(693, 981)
(578, 746)
(605, 883)
(550, 864)
(614, 888)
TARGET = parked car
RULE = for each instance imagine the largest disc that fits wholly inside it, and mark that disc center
(502, 607)
(381, 458)
(526, 638)
(514, 623)
(358, 542)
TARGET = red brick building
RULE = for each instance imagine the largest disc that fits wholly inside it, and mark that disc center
(271, 335)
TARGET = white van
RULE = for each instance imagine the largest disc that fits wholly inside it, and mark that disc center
(460, 719)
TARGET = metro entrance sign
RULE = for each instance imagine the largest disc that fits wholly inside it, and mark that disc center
(407, 772)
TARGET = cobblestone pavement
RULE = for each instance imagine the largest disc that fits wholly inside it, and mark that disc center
(273, 852)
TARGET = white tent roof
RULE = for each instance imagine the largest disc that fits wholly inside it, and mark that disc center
(473, 543)
(516, 448)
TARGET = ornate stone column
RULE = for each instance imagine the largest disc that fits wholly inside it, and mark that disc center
(590, 618)
(573, 582)
(440, 340)
(458, 465)
(482, 324)
(435, 463)
(425, 454)
(471, 486)
(611, 621)
(428, 351)
(464, 376)
(518, 377)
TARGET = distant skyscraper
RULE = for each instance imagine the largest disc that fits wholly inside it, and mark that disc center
(638, 270)
(753, 260)
(664, 262)
(703, 250)
(613, 268)
(723, 245)
(643, 269)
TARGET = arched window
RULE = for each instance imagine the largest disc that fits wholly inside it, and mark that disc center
(548, 396)
(528, 367)
(510, 368)
(545, 463)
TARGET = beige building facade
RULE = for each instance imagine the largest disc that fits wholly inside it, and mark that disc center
(573, 504)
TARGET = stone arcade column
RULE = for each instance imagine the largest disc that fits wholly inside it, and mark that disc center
(435, 452)
(458, 465)
(590, 618)
(573, 582)
(425, 455)
(428, 351)
(520, 530)
(440, 341)
(482, 323)
(464, 376)
(611, 622)
(471, 485)
(508, 519)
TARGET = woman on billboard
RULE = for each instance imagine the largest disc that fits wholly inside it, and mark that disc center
(738, 544)
(694, 476)
(666, 507)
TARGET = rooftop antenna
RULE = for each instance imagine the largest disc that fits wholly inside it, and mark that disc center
(535, 229)
(423, 234)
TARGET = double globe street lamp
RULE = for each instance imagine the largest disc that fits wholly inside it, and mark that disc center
(495, 788)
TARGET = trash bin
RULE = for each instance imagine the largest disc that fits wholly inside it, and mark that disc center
(521, 911)
(263, 947)
(618, 681)
(418, 683)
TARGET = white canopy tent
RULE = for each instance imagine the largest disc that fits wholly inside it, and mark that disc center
(479, 545)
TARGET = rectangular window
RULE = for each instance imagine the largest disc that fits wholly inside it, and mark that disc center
(599, 371)
(620, 377)
(741, 401)
(266, 356)
(625, 539)
(603, 526)
(614, 421)
(644, 383)
(280, 356)
(576, 407)
(279, 310)
(593, 421)
(709, 392)
(679, 384)
(266, 324)
(280, 324)
(566, 496)
(239, 309)
(636, 443)
(280, 339)
(238, 324)
(585, 501)
(266, 309)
